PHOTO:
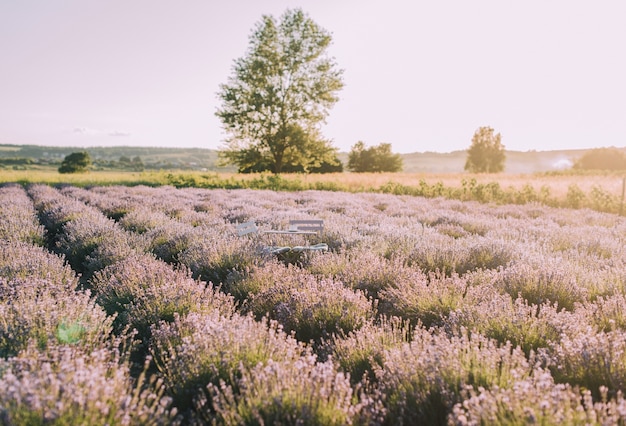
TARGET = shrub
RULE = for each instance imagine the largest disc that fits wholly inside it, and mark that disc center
(428, 299)
(591, 360)
(214, 258)
(606, 313)
(18, 221)
(294, 392)
(364, 270)
(529, 327)
(449, 255)
(25, 261)
(575, 197)
(537, 400)
(67, 386)
(33, 310)
(54, 210)
(542, 280)
(421, 381)
(169, 239)
(244, 285)
(196, 350)
(92, 241)
(362, 350)
(142, 291)
(313, 309)
(142, 220)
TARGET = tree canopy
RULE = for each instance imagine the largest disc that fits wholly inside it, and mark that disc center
(486, 153)
(377, 158)
(602, 159)
(279, 94)
(76, 162)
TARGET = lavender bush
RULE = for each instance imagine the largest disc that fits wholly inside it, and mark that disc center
(67, 386)
(198, 349)
(537, 400)
(33, 311)
(310, 307)
(18, 219)
(288, 392)
(421, 381)
(423, 310)
(22, 260)
(141, 291)
(361, 352)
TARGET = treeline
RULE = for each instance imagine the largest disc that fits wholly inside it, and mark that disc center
(113, 158)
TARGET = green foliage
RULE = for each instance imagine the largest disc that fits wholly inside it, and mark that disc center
(76, 162)
(602, 159)
(17, 161)
(258, 164)
(377, 158)
(486, 154)
(279, 94)
(575, 196)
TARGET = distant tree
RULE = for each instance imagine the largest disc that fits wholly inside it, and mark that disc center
(602, 159)
(377, 158)
(76, 162)
(486, 154)
(137, 164)
(278, 95)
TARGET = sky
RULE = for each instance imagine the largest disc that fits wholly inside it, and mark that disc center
(420, 75)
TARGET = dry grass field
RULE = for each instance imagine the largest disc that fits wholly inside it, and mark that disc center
(557, 185)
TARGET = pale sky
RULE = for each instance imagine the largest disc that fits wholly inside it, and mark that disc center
(421, 75)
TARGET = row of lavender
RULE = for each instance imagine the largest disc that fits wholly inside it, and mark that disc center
(60, 361)
(429, 310)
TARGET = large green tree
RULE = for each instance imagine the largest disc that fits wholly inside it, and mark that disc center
(377, 158)
(279, 94)
(486, 153)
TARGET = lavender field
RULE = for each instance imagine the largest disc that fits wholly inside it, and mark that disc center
(139, 306)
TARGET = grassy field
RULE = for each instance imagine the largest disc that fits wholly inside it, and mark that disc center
(601, 192)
